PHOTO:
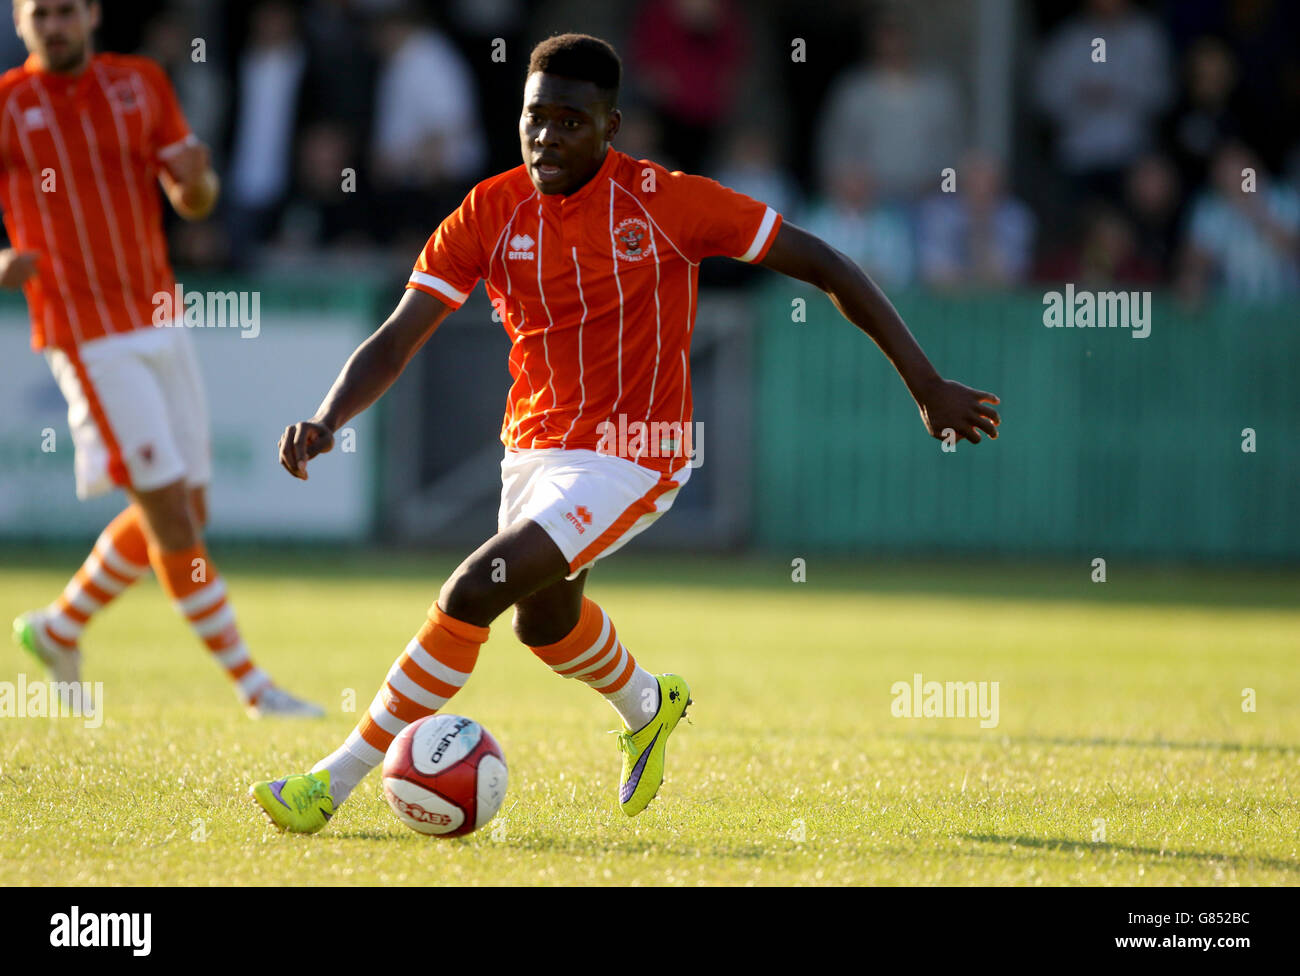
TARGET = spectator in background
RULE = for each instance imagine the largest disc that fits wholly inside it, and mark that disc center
(749, 165)
(340, 82)
(12, 51)
(475, 26)
(687, 60)
(1244, 244)
(323, 215)
(428, 145)
(904, 123)
(977, 236)
(639, 135)
(1153, 196)
(876, 235)
(1263, 36)
(1203, 119)
(1106, 256)
(269, 76)
(1104, 112)
(199, 85)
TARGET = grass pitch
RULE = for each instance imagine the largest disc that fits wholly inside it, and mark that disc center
(1122, 755)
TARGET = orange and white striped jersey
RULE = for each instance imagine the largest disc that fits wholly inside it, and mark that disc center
(597, 291)
(79, 161)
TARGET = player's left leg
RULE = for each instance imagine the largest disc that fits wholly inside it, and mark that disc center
(436, 663)
(94, 380)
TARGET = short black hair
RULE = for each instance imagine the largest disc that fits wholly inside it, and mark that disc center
(581, 57)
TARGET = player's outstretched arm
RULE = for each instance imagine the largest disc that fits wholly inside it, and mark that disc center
(943, 403)
(368, 373)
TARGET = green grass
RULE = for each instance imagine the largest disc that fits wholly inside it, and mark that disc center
(1119, 703)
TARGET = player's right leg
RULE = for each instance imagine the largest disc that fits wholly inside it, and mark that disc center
(436, 663)
(576, 639)
(119, 557)
(52, 634)
(175, 512)
(592, 505)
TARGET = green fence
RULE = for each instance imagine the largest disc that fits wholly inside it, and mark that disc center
(1109, 444)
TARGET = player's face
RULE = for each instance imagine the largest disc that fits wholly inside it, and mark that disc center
(57, 31)
(564, 131)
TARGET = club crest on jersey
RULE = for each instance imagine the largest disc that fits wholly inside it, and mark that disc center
(34, 118)
(521, 248)
(631, 233)
(122, 94)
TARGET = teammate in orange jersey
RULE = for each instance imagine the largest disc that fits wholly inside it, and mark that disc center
(83, 138)
(590, 258)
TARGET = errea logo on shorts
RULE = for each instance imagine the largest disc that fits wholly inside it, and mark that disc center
(579, 517)
(521, 248)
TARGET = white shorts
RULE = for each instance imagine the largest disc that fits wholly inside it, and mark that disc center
(590, 504)
(137, 411)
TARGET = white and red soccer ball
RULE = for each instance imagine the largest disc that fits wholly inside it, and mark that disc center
(445, 775)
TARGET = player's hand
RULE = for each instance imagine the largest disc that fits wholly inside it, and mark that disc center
(302, 442)
(189, 182)
(16, 267)
(188, 163)
(948, 404)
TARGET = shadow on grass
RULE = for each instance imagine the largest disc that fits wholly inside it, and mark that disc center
(1089, 847)
(634, 847)
(1103, 742)
(576, 846)
(368, 835)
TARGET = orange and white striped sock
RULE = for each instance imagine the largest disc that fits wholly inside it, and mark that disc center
(435, 665)
(196, 589)
(593, 654)
(119, 558)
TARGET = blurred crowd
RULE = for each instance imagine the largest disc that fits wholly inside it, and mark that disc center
(344, 130)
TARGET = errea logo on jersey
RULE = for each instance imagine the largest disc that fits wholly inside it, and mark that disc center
(34, 118)
(521, 248)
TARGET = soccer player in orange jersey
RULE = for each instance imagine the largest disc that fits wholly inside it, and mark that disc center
(590, 258)
(83, 139)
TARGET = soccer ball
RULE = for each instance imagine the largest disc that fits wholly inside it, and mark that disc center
(445, 775)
